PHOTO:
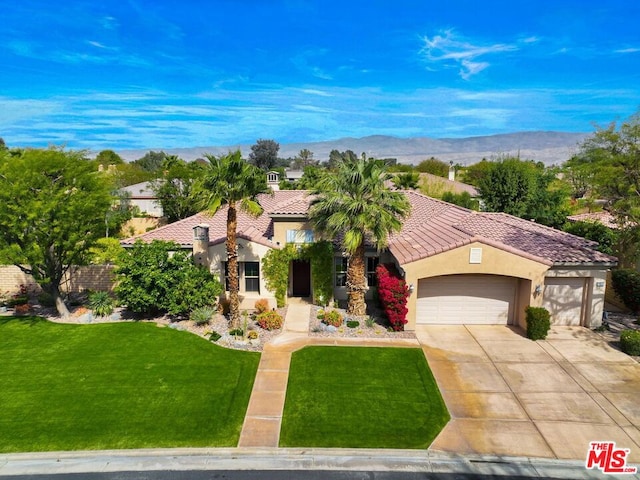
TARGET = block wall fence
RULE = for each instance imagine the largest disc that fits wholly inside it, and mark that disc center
(89, 277)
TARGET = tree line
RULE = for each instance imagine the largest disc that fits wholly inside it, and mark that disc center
(57, 204)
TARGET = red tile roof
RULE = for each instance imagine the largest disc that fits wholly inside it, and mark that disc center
(432, 227)
(603, 217)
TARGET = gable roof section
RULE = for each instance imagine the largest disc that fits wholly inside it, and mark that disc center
(432, 227)
(435, 226)
(256, 229)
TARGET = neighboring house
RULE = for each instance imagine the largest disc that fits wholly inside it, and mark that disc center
(603, 217)
(143, 197)
(463, 267)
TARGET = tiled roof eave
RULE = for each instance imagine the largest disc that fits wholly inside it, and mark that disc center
(586, 264)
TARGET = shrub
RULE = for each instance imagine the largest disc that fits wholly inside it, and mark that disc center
(538, 323)
(46, 299)
(101, 303)
(320, 314)
(270, 320)
(333, 318)
(262, 305)
(214, 336)
(202, 315)
(22, 309)
(626, 283)
(370, 322)
(160, 277)
(393, 293)
(236, 332)
(630, 342)
(353, 323)
(252, 335)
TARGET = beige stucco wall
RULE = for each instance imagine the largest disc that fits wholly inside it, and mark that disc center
(594, 291)
(494, 262)
(247, 252)
(280, 228)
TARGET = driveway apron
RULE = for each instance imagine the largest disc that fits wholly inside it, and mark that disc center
(508, 395)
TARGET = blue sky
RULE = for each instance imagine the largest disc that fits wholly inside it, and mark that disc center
(167, 73)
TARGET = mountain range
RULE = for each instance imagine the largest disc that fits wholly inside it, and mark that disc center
(544, 146)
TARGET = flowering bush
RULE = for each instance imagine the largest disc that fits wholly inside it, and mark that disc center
(22, 309)
(261, 305)
(393, 293)
(333, 318)
(270, 320)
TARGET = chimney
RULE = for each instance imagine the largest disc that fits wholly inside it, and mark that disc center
(201, 244)
(273, 181)
(452, 172)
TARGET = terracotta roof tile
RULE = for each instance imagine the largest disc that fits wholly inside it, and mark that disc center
(432, 227)
(604, 218)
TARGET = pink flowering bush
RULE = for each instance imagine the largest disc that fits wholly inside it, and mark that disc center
(393, 293)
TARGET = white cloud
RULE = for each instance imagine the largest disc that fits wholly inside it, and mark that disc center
(448, 47)
(628, 50)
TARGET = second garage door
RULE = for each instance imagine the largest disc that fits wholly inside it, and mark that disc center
(466, 299)
(563, 299)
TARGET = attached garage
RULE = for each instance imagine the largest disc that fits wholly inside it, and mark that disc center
(563, 297)
(466, 299)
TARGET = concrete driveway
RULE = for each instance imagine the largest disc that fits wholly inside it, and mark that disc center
(508, 395)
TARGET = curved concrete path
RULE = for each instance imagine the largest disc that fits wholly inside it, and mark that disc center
(263, 419)
(507, 395)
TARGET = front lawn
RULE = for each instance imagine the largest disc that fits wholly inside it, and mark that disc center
(119, 385)
(361, 397)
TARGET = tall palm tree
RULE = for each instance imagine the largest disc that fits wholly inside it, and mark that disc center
(231, 181)
(355, 204)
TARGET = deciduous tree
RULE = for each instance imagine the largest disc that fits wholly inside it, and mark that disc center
(53, 210)
(264, 154)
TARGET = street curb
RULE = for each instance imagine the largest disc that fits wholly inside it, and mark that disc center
(185, 459)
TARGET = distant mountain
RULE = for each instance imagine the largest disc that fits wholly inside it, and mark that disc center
(548, 147)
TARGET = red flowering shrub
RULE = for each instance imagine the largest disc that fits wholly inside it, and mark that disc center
(270, 320)
(393, 293)
(22, 309)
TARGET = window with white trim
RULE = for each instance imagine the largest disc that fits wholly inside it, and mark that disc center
(252, 277)
(299, 236)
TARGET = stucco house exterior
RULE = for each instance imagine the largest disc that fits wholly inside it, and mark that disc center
(463, 267)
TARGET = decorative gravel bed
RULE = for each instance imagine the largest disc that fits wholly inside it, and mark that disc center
(377, 330)
(219, 324)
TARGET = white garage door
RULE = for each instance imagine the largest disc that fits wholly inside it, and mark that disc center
(563, 299)
(466, 299)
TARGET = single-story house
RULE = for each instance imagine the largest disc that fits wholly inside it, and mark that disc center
(141, 195)
(463, 267)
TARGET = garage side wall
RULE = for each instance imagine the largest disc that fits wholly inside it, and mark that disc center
(490, 260)
(594, 286)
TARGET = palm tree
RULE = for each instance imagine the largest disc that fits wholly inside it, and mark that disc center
(229, 180)
(355, 205)
(406, 181)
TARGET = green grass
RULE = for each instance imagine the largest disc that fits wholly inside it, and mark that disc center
(122, 385)
(361, 397)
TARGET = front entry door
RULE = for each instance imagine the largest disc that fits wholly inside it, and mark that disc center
(301, 272)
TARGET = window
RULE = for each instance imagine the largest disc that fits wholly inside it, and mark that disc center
(372, 264)
(341, 271)
(299, 236)
(252, 277)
